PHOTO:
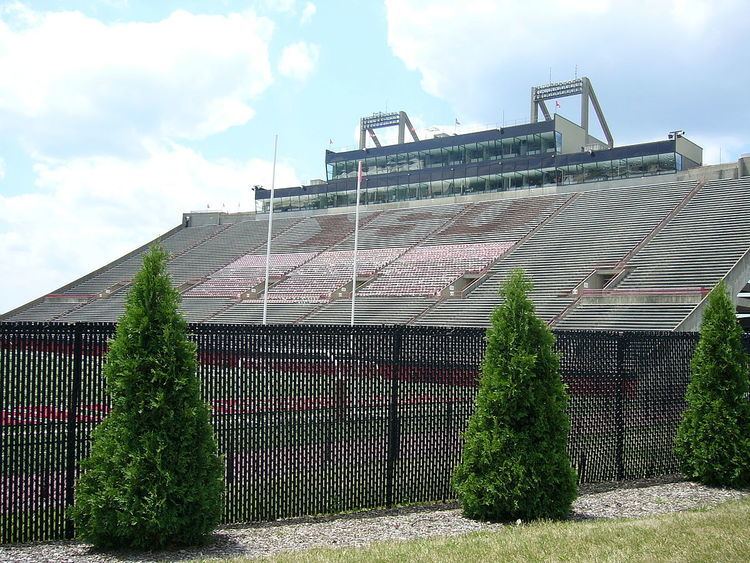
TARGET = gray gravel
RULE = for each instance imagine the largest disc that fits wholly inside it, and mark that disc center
(631, 500)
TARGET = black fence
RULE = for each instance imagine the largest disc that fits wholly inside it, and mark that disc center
(323, 419)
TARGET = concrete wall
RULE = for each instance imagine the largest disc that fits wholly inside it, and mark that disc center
(690, 150)
(743, 165)
(573, 136)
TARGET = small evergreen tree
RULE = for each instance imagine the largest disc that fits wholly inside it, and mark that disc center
(153, 478)
(713, 439)
(515, 462)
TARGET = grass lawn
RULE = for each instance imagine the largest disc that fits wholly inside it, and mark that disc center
(717, 534)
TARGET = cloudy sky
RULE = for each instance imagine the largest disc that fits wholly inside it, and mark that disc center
(118, 115)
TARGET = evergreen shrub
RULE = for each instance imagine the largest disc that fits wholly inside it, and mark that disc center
(515, 462)
(713, 439)
(153, 478)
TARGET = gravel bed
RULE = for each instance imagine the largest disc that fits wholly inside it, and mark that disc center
(629, 500)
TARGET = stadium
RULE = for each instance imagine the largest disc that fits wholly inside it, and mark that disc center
(313, 416)
(613, 237)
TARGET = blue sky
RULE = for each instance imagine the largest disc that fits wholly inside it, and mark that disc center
(118, 115)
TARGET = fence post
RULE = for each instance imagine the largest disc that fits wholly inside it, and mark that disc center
(622, 341)
(394, 437)
(72, 427)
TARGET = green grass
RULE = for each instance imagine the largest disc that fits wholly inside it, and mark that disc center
(718, 534)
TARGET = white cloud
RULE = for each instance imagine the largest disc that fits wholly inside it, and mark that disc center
(482, 56)
(88, 211)
(69, 82)
(2, 169)
(299, 60)
(307, 13)
(101, 110)
(721, 148)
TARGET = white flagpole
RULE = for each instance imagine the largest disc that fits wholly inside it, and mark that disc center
(270, 228)
(356, 238)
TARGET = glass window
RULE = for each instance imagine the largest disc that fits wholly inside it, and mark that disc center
(619, 168)
(413, 190)
(435, 158)
(678, 161)
(549, 176)
(558, 141)
(523, 146)
(589, 171)
(391, 163)
(534, 144)
(494, 150)
(381, 165)
(413, 162)
(474, 152)
(455, 155)
(516, 181)
(351, 197)
(495, 183)
(534, 178)
(667, 162)
(651, 164)
(476, 185)
(459, 186)
(547, 142)
(635, 166)
(440, 187)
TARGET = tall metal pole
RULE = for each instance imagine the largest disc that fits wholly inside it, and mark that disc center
(270, 228)
(356, 238)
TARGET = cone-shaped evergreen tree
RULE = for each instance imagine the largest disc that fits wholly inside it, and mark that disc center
(153, 478)
(713, 440)
(515, 463)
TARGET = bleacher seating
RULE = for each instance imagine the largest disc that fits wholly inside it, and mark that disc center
(100, 310)
(247, 272)
(401, 227)
(505, 220)
(317, 279)
(677, 236)
(427, 270)
(239, 239)
(46, 310)
(700, 244)
(369, 310)
(630, 316)
(595, 228)
(252, 313)
(197, 310)
(124, 269)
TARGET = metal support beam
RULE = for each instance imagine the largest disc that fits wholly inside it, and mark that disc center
(374, 137)
(600, 115)
(409, 126)
(545, 111)
(585, 89)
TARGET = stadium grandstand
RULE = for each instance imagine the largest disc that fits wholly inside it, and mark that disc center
(621, 238)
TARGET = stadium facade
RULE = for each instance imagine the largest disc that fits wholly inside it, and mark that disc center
(612, 237)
